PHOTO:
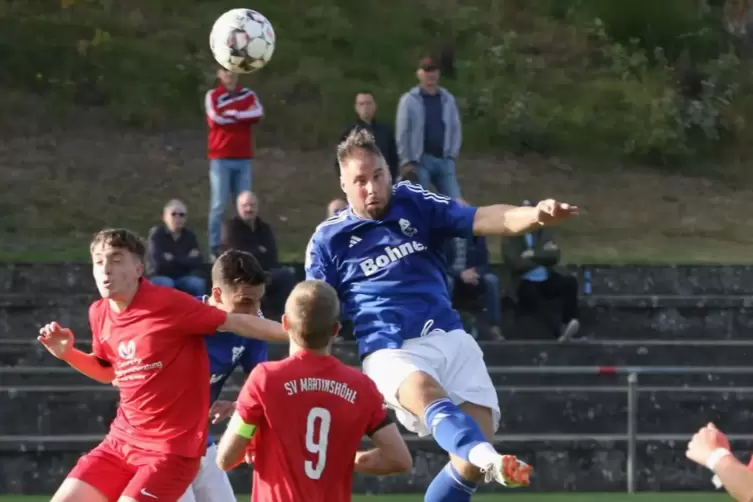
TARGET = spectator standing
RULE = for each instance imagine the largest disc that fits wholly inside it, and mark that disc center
(469, 273)
(383, 133)
(231, 111)
(530, 262)
(428, 132)
(247, 232)
(173, 254)
(335, 206)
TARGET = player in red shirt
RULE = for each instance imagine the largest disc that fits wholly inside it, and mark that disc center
(308, 413)
(150, 338)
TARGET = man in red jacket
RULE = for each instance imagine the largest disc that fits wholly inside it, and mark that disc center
(231, 111)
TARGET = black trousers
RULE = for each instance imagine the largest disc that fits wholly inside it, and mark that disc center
(558, 288)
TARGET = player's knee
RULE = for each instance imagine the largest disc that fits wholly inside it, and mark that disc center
(419, 390)
(75, 490)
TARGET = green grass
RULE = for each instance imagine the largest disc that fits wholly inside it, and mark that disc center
(507, 497)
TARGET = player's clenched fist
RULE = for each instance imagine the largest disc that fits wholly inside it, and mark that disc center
(705, 442)
(221, 410)
(56, 339)
(550, 211)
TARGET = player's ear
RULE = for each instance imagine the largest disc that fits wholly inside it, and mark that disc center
(217, 296)
(342, 184)
(284, 321)
(336, 329)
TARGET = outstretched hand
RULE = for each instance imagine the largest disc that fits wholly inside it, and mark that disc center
(57, 340)
(550, 211)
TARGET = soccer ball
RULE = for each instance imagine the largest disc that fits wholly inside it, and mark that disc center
(242, 40)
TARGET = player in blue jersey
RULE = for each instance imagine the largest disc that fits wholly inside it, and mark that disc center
(384, 257)
(238, 283)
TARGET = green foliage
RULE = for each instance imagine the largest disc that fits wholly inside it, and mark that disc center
(589, 77)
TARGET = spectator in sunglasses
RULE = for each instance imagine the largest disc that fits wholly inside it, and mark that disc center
(173, 255)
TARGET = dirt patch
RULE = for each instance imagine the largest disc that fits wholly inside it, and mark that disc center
(59, 188)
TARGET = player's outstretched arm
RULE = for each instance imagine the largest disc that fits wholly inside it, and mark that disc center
(391, 455)
(250, 326)
(710, 447)
(59, 342)
(505, 220)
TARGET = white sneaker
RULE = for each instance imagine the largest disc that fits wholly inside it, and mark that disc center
(508, 471)
(569, 330)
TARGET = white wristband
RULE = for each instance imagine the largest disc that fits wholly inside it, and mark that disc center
(715, 457)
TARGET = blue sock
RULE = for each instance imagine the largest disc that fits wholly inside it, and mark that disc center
(454, 431)
(448, 486)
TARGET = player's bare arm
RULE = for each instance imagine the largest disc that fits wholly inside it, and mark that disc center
(710, 448)
(234, 442)
(60, 341)
(505, 220)
(251, 326)
(391, 455)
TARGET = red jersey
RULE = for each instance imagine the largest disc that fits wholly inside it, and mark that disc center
(310, 412)
(230, 115)
(157, 348)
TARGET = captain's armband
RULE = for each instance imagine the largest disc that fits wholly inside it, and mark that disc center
(240, 427)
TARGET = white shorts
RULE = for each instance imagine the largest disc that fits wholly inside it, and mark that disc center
(211, 483)
(453, 359)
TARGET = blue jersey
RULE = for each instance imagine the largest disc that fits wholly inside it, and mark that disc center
(390, 273)
(226, 352)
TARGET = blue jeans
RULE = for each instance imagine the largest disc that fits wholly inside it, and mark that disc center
(492, 297)
(226, 177)
(191, 284)
(440, 173)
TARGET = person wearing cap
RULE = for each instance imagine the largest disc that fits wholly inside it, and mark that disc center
(428, 132)
(384, 134)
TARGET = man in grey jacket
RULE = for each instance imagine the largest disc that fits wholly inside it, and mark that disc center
(428, 132)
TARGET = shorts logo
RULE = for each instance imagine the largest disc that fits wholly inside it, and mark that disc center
(237, 353)
(127, 350)
(371, 266)
(406, 228)
(147, 494)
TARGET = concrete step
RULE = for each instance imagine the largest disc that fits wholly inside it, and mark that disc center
(62, 375)
(71, 278)
(57, 410)
(29, 352)
(562, 463)
(648, 317)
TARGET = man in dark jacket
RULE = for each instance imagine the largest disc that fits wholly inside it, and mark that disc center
(248, 232)
(173, 254)
(469, 273)
(533, 281)
(383, 133)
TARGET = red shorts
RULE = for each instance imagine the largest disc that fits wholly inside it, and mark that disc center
(115, 468)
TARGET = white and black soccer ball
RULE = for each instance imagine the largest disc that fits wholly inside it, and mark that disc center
(242, 40)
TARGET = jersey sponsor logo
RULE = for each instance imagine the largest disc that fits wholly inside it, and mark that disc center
(371, 266)
(406, 227)
(132, 367)
(127, 350)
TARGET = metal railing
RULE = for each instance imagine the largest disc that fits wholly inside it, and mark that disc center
(632, 373)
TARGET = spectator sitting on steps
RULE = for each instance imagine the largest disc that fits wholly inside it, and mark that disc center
(173, 254)
(247, 232)
(534, 283)
(469, 274)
